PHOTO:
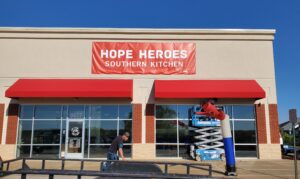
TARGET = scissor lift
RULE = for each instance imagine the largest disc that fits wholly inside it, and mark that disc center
(207, 143)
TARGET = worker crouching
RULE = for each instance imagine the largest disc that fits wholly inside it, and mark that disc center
(115, 148)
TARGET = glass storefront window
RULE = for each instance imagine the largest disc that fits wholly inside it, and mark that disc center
(98, 151)
(168, 134)
(243, 112)
(47, 112)
(23, 151)
(125, 126)
(49, 123)
(96, 112)
(103, 131)
(26, 112)
(104, 112)
(183, 129)
(166, 112)
(104, 122)
(231, 127)
(228, 110)
(76, 112)
(109, 112)
(43, 151)
(125, 112)
(63, 135)
(184, 111)
(64, 112)
(127, 150)
(184, 151)
(166, 150)
(46, 132)
(86, 139)
(166, 131)
(25, 132)
(87, 111)
(245, 151)
(245, 131)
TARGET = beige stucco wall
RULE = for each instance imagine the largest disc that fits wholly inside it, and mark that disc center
(220, 54)
(143, 151)
(67, 53)
(8, 152)
(269, 151)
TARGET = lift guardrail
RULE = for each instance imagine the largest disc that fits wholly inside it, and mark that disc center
(21, 167)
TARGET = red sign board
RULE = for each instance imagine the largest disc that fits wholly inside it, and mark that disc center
(143, 58)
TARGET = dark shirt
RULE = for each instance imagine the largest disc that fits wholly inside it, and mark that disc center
(116, 144)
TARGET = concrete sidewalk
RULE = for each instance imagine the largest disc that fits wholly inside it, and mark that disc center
(265, 169)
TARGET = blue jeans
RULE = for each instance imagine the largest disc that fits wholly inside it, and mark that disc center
(110, 156)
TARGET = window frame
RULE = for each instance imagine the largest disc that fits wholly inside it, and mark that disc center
(99, 119)
(66, 119)
(232, 119)
(177, 130)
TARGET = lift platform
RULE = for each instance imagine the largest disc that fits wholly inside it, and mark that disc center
(207, 143)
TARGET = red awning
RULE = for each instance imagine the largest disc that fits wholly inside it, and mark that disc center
(70, 88)
(208, 89)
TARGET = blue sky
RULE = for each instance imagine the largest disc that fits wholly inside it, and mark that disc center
(284, 16)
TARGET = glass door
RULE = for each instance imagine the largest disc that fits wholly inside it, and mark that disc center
(74, 139)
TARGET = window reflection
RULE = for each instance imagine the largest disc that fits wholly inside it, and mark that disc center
(184, 151)
(76, 112)
(46, 132)
(103, 131)
(171, 117)
(64, 112)
(127, 150)
(228, 110)
(184, 111)
(98, 151)
(49, 122)
(245, 131)
(125, 126)
(166, 111)
(47, 112)
(23, 151)
(104, 112)
(183, 127)
(125, 112)
(96, 112)
(231, 128)
(245, 151)
(45, 151)
(174, 130)
(86, 139)
(25, 131)
(166, 131)
(63, 134)
(243, 112)
(109, 112)
(166, 150)
(26, 112)
(87, 111)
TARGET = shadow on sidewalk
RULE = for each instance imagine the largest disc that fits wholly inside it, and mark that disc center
(134, 168)
(129, 168)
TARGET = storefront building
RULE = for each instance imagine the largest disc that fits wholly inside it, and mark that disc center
(69, 92)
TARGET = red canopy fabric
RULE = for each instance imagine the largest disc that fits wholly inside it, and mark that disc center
(70, 88)
(208, 89)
